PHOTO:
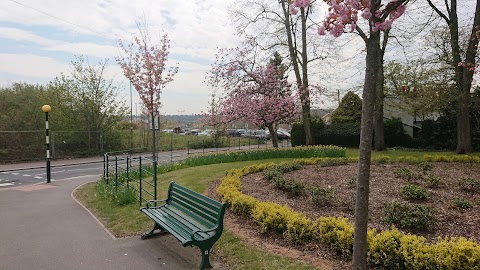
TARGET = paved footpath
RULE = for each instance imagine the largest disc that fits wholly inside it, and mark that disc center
(42, 227)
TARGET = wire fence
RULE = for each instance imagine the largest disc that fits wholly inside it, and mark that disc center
(18, 146)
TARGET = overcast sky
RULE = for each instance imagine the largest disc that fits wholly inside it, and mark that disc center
(39, 39)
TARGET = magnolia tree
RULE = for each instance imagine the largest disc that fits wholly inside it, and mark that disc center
(145, 67)
(343, 16)
(256, 93)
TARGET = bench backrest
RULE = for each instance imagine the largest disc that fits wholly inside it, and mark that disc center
(197, 206)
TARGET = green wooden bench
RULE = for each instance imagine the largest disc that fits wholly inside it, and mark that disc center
(192, 218)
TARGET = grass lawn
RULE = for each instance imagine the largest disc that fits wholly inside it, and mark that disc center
(127, 220)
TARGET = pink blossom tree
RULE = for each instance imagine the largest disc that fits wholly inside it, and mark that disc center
(342, 17)
(256, 93)
(145, 67)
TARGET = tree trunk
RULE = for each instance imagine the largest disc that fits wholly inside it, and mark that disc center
(464, 144)
(366, 134)
(301, 84)
(307, 118)
(379, 129)
(273, 133)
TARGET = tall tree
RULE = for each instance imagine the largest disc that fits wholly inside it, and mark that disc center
(146, 67)
(253, 92)
(279, 30)
(423, 90)
(343, 16)
(349, 111)
(464, 65)
(85, 100)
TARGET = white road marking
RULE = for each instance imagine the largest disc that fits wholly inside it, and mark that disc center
(15, 173)
(27, 175)
(6, 184)
(37, 177)
(5, 172)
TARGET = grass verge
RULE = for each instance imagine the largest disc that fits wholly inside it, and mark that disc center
(127, 220)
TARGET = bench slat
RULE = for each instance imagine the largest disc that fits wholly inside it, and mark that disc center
(210, 201)
(194, 212)
(177, 229)
(197, 204)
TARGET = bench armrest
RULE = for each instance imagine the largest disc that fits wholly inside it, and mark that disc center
(203, 231)
(149, 202)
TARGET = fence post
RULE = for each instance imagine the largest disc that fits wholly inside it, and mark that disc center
(128, 171)
(104, 164)
(239, 143)
(203, 145)
(188, 149)
(140, 176)
(171, 148)
(107, 168)
(155, 181)
(116, 172)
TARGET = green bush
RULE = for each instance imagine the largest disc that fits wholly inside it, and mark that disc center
(395, 133)
(462, 204)
(470, 184)
(405, 174)
(340, 134)
(289, 167)
(298, 131)
(291, 186)
(432, 181)
(271, 174)
(322, 196)
(410, 216)
(425, 166)
(414, 192)
(120, 195)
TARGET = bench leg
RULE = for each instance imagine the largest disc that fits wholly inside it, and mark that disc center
(152, 233)
(205, 260)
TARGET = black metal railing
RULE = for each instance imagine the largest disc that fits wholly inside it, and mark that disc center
(133, 172)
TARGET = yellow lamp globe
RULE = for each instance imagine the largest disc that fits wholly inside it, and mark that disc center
(46, 108)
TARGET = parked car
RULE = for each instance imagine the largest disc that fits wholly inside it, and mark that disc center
(192, 132)
(262, 134)
(207, 132)
(283, 135)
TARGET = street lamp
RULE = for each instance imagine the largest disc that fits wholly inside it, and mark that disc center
(46, 109)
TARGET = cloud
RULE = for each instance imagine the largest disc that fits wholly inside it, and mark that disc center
(53, 31)
(33, 65)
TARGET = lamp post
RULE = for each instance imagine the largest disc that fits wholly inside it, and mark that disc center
(46, 109)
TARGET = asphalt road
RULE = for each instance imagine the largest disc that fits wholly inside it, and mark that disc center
(37, 175)
(21, 174)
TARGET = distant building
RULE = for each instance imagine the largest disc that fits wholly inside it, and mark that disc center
(393, 108)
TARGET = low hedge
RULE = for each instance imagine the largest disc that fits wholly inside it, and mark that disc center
(390, 249)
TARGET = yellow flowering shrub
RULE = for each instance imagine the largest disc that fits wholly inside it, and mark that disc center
(390, 249)
(301, 229)
(271, 216)
(337, 233)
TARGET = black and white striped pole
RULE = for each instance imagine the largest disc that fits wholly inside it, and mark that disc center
(46, 109)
